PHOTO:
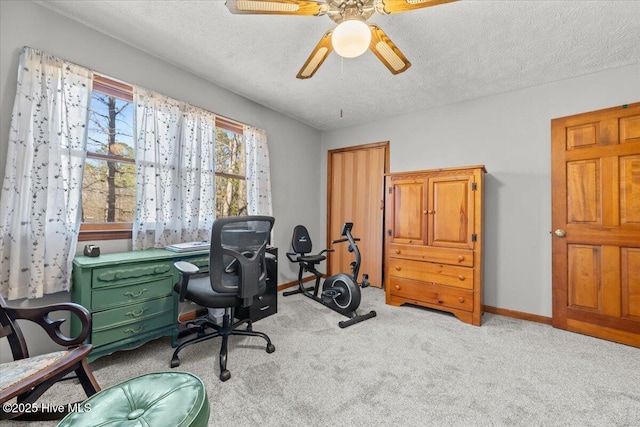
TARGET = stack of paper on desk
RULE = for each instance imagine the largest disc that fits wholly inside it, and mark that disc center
(188, 246)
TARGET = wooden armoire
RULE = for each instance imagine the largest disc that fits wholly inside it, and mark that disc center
(433, 240)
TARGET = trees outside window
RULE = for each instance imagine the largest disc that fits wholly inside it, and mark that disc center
(231, 189)
(108, 188)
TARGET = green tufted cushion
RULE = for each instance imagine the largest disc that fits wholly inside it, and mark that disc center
(172, 399)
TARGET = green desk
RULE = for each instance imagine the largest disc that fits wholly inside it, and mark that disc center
(130, 295)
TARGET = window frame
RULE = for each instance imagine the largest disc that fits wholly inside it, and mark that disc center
(124, 230)
(108, 230)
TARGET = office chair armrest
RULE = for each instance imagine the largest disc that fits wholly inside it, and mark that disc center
(249, 272)
(186, 270)
(326, 250)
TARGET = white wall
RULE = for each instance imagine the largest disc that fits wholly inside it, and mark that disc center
(23, 23)
(510, 134)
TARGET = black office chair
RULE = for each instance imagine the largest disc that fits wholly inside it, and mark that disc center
(237, 274)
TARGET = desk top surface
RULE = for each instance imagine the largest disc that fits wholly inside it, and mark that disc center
(133, 256)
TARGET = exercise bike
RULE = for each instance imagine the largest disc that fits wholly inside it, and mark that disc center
(340, 292)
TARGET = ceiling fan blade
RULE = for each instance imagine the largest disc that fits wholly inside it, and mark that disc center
(386, 7)
(277, 7)
(317, 57)
(387, 51)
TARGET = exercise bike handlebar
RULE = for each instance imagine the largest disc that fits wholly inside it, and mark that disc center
(355, 239)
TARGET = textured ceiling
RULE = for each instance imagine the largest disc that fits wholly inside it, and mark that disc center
(458, 51)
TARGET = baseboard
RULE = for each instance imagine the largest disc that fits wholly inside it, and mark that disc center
(518, 315)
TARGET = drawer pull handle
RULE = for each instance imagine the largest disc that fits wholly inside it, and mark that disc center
(461, 299)
(266, 307)
(397, 287)
(136, 313)
(134, 330)
(135, 295)
(398, 268)
(461, 277)
(461, 258)
(397, 251)
(430, 212)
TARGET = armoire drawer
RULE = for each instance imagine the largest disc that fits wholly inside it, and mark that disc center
(105, 336)
(432, 293)
(116, 296)
(130, 313)
(118, 275)
(461, 277)
(461, 257)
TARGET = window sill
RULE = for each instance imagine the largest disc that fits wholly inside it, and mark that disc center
(116, 234)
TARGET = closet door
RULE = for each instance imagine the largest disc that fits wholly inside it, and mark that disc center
(596, 223)
(356, 194)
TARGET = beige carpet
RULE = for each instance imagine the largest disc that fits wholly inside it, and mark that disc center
(406, 367)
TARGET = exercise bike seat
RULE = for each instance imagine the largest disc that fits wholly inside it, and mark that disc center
(302, 247)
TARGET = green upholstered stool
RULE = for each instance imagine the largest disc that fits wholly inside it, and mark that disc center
(171, 399)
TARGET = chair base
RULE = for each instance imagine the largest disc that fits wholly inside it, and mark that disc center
(223, 331)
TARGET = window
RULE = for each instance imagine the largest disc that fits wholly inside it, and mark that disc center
(108, 188)
(108, 185)
(231, 187)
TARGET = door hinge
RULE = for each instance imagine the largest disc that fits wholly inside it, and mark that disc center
(474, 186)
(389, 232)
(390, 190)
(474, 237)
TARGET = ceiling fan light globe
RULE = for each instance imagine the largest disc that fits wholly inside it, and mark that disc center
(351, 38)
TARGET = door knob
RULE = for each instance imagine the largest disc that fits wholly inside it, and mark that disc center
(560, 232)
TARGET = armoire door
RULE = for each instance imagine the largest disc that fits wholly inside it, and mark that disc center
(355, 194)
(450, 211)
(596, 223)
(407, 211)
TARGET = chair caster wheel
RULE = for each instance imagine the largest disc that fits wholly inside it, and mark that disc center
(175, 362)
(225, 375)
(271, 348)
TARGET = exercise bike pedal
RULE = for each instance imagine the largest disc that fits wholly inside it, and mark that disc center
(365, 281)
(329, 295)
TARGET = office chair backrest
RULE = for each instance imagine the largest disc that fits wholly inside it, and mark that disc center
(237, 255)
(301, 241)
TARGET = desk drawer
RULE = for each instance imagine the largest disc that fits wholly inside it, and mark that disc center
(432, 293)
(110, 335)
(130, 313)
(119, 275)
(116, 296)
(461, 277)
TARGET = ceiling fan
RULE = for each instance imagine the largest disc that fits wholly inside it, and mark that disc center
(352, 36)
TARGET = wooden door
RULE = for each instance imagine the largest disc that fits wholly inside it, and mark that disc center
(451, 211)
(355, 194)
(596, 223)
(406, 210)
